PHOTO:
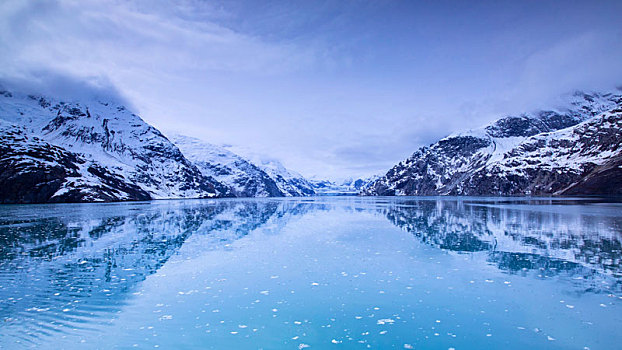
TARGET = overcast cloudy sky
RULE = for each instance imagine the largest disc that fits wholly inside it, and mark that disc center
(330, 88)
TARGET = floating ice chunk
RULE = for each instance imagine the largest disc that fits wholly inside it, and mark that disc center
(335, 341)
(385, 321)
(264, 292)
(303, 346)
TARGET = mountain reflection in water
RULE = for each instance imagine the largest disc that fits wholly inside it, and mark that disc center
(73, 267)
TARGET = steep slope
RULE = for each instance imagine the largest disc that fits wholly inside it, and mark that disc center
(487, 161)
(289, 182)
(107, 153)
(243, 178)
(34, 171)
(583, 159)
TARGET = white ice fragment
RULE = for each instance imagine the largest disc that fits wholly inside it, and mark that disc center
(385, 321)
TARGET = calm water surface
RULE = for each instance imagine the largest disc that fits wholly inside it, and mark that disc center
(319, 273)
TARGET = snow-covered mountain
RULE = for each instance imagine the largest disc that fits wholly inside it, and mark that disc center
(289, 182)
(243, 178)
(572, 150)
(73, 150)
(349, 186)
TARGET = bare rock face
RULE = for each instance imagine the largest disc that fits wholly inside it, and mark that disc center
(572, 151)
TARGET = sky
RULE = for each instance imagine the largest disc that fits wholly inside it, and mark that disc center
(332, 89)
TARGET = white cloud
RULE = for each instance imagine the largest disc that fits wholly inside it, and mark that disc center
(334, 89)
(113, 38)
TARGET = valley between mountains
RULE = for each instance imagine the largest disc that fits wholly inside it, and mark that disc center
(56, 150)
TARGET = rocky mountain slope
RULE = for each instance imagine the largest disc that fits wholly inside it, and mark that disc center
(55, 150)
(572, 150)
(240, 175)
(290, 183)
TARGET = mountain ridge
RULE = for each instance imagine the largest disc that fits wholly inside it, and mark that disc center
(90, 149)
(244, 177)
(111, 153)
(449, 166)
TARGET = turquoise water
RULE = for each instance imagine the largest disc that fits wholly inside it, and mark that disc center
(322, 273)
